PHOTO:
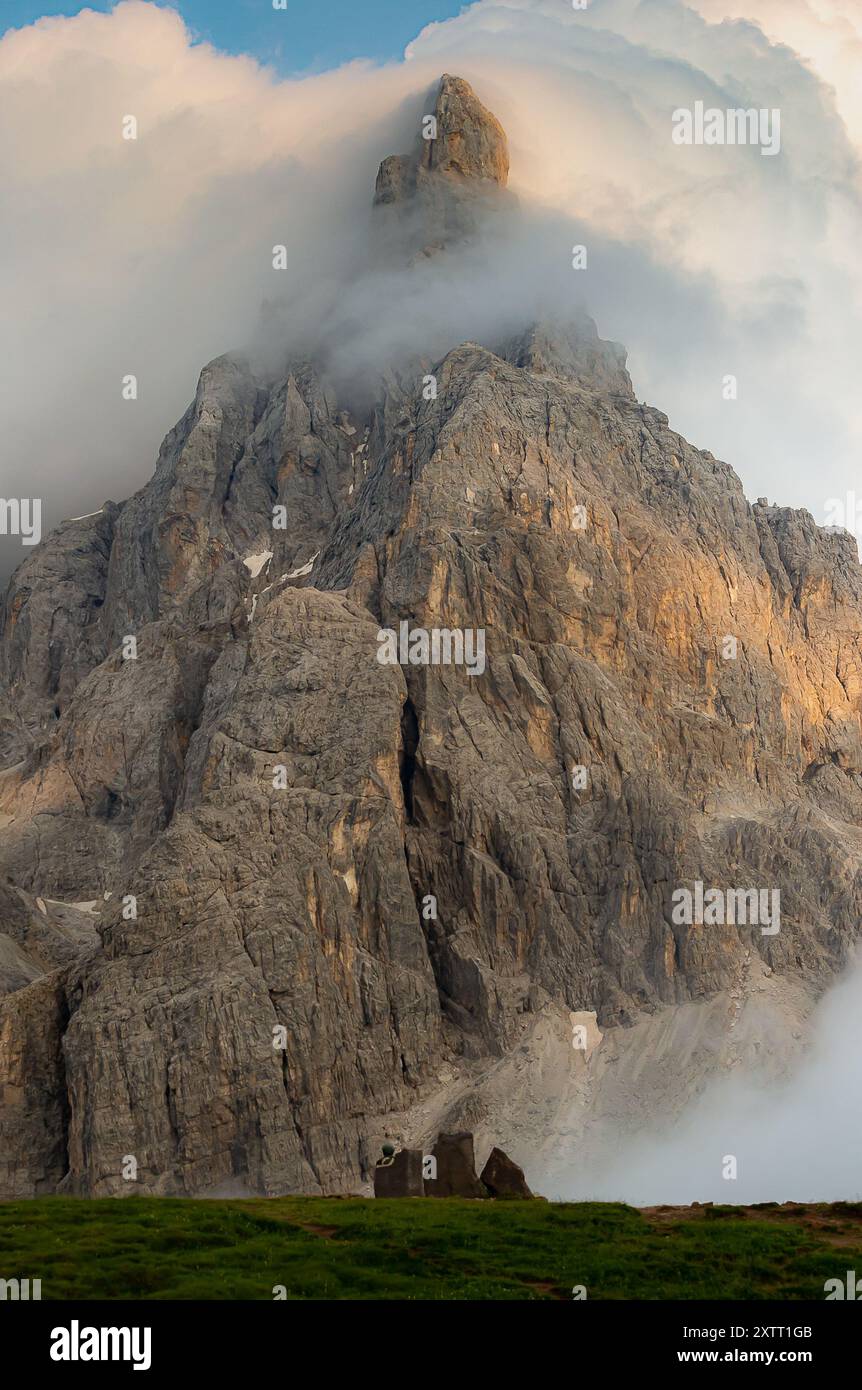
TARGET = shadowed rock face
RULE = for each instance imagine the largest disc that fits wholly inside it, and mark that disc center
(502, 1177)
(456, 1168)
(399, 1176)
(271, 809)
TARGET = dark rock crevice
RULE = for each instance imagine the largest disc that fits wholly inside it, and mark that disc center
(407, 757)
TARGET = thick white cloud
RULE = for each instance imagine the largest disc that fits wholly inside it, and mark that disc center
(799, 1140)
(826, 34)
(152, 256)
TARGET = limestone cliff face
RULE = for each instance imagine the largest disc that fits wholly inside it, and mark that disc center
(254, 811)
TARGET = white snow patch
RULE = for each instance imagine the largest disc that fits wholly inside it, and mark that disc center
(87, 515)
(88, 907)
(303, 569)
(255, 563)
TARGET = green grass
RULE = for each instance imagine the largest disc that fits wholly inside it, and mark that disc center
(357, 1248)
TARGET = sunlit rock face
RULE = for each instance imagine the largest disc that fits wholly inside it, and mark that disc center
(296, 897)
(445, 189)
(465, 144)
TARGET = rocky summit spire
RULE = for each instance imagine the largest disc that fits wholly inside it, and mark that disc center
(461, 141)
(459, 167)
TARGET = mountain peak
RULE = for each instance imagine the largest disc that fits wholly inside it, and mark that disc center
(436, 196)
(470, 141)
(571, 348)
(463, 142)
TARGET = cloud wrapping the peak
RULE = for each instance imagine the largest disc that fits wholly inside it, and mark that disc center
(152, 256)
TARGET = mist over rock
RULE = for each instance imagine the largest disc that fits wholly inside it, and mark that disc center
(331, 899)
(440, 192)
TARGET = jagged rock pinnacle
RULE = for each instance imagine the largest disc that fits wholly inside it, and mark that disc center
(437, 194)
(470, 144)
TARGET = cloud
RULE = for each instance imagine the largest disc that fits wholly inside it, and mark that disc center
(826, 34)
(795, 1141)
(152, 256)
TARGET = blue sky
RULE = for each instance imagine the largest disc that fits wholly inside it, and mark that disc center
(308, 36)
